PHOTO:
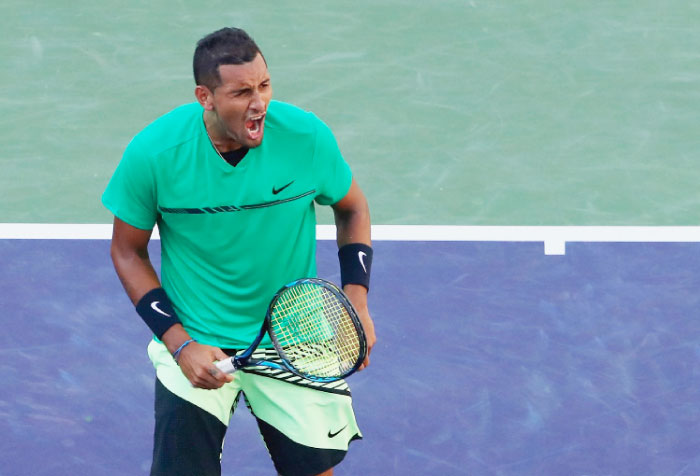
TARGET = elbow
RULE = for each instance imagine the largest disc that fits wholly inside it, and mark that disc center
(123, 255)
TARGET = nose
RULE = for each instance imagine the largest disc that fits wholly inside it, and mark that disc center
(257, 103)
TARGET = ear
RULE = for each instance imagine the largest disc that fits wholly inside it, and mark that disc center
(205, 97)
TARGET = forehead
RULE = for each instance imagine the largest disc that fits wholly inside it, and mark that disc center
(246, 74)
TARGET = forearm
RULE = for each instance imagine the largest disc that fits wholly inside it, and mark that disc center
(135, 272)
(129, 252)
(353, 225)
(138, 276)
(354, 239)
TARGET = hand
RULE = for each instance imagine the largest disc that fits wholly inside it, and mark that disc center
(358, 297)
(197, 363)
(196, 360)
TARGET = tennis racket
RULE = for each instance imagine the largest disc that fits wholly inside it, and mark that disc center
(314, 329)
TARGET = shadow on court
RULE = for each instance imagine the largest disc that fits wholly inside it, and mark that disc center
(493, 359)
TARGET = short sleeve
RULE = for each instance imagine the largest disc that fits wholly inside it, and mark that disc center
(131, 192)
(332, 173)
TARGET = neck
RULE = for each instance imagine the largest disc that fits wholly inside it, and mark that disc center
(217, 134)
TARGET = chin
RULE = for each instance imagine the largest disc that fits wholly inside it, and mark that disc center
(252, 144)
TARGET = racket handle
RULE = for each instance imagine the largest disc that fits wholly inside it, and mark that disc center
(226, 366)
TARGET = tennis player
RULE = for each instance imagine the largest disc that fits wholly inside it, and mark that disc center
(232, 180)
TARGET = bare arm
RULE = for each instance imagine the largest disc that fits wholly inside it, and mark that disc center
(129, 251)
(353, 225)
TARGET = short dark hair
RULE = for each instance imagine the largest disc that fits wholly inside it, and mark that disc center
(224, 46)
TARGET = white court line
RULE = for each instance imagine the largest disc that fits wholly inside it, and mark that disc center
(553, 237)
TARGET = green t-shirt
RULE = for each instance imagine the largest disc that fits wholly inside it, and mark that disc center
(230, 236)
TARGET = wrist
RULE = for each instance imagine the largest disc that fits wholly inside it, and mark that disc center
(156, 310)
(356, 291)
(174, 337)
(357, 294)
(355, 264)
(176, 354)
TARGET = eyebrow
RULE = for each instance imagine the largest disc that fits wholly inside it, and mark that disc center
(248, 88)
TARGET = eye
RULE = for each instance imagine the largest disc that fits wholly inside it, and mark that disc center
(240, 92)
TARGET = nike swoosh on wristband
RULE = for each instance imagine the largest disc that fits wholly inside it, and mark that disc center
(361, 255)
(275, 191)
(333, 435)
(154, 306)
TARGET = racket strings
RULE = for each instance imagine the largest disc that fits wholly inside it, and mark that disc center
(315, 331)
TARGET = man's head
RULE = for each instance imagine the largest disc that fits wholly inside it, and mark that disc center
(225, 46)
(233, 86)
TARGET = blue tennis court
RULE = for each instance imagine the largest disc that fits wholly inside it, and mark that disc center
(494, 359)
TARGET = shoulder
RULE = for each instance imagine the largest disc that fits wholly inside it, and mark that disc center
(173, 128)
(285, 117)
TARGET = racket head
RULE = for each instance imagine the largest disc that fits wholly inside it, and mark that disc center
(316, 330)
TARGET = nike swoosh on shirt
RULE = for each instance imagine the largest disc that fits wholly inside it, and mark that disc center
(154, 306)
(275, 191)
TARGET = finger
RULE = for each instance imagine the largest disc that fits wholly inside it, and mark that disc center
(219, 375)
(365, 363)
(204, 378)
(208, 385)
(220, 354)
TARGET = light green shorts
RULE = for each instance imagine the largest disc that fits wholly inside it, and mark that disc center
(310, 414)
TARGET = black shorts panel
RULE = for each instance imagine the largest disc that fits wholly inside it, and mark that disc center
(187, 440)
(292, 459)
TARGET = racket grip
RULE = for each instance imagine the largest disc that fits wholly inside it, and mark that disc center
(226, 366)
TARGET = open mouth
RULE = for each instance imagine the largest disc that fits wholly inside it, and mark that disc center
(254, 126)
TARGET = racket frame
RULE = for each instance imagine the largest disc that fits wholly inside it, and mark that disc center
(245, 358)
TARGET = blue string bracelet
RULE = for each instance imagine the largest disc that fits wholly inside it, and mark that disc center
(176, 354)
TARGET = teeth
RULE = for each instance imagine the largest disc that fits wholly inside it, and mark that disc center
(254, 123)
